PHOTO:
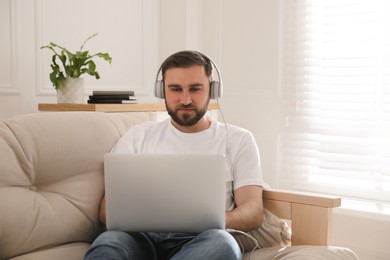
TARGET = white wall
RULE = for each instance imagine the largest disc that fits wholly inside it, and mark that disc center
(242, 37)
(243, 40)
(128, 30)
(365, 232)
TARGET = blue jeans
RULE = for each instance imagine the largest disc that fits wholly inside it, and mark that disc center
(210, 244)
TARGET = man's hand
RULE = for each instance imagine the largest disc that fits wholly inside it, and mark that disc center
(102, 211)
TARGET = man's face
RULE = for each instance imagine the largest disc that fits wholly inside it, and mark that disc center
(187, 97)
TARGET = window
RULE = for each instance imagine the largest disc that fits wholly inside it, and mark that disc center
(335, 73)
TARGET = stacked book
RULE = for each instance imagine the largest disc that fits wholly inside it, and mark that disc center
(112, 97)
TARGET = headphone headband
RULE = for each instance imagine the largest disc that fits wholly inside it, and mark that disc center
(216, 86)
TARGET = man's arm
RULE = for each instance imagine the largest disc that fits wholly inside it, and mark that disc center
(102, 211)
(248, 213)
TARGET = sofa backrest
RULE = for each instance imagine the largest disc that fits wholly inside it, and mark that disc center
(51, 176)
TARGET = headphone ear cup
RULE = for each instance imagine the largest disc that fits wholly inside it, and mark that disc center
(215, 90)
(159, 89)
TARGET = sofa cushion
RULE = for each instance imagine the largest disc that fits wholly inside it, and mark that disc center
(51, 176)
(67, 251)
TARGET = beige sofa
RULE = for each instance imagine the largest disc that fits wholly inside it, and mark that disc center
(51, 184)
(51, 180)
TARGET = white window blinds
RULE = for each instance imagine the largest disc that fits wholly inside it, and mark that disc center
(335, 73)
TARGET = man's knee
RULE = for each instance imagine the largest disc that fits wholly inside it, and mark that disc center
(216, 235)
(121, 245)
(112, 238)
(222, 242)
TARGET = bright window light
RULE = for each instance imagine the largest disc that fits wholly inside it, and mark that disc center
(335, 77)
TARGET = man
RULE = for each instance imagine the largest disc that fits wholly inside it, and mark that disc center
(187, 87)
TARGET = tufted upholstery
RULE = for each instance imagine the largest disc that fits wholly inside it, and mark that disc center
(51, 180)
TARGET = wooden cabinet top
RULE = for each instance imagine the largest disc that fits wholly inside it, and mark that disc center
(141, 107)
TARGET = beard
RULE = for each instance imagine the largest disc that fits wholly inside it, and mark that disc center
(187, 119)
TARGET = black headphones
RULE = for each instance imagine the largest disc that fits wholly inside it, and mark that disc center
(216, 86)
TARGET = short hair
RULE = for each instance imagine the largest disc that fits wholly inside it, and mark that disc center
(185, 59)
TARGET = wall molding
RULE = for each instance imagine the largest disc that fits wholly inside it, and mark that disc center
(147, 59)
(40, 88)
(12, 88)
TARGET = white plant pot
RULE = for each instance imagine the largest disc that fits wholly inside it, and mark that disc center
(71, 91)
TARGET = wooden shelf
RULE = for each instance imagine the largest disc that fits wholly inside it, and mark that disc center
(141, 107)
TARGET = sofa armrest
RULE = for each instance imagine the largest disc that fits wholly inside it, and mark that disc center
(310, 214)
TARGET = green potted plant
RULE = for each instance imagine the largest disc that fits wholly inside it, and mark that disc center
(67, 67)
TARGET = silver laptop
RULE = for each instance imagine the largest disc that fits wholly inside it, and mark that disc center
(165, 193)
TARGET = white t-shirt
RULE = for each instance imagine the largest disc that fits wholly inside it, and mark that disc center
(242, 154)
